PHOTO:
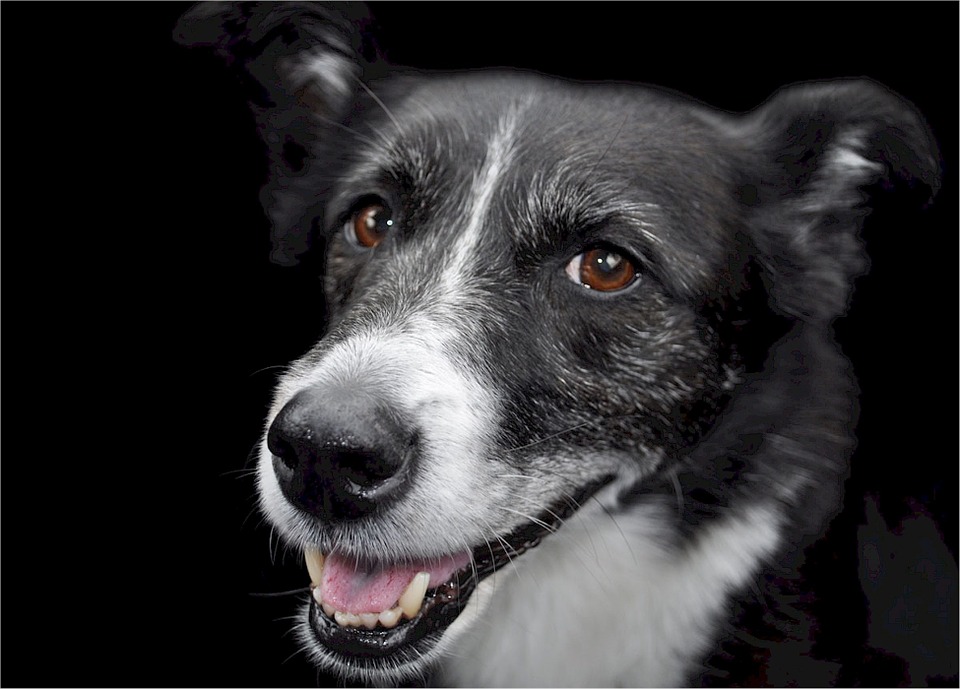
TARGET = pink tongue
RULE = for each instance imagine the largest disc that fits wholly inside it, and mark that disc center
(348, 588)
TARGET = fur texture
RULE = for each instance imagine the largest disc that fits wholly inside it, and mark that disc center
(685, 437)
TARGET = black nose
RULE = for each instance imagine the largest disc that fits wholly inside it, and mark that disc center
(340, 455)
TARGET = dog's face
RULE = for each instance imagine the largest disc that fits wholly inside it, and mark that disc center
(517, 320)
(541, 296)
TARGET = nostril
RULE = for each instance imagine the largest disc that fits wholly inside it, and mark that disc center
(281, 447)
(359, 466)
(366, 468)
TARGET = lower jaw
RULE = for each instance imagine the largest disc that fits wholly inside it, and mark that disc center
(441, 607)
(359, 650)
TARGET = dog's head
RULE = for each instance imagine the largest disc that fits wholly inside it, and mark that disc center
(539, 294)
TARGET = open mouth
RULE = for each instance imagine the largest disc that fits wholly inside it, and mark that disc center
(350, 613)
(370, 611)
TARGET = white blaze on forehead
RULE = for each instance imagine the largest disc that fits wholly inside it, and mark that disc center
(499, 153)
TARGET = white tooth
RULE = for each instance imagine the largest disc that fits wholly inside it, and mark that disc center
(314, 560)
(368, 619)
(346, 619)
(412, 598)
(327, 608)
(389, 618)
(317, 597)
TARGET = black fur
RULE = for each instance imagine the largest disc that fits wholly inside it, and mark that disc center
(756, 220)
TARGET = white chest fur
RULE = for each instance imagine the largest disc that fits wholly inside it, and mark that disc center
(604, 603)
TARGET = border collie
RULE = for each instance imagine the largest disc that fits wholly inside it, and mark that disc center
(579, 408)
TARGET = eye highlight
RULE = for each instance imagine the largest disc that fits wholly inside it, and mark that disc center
(369, 225)
(603, 269)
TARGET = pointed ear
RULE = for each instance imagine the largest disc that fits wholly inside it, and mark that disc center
(301, 65)
(822, 147)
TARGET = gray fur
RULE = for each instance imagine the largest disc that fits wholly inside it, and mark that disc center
(709, 395)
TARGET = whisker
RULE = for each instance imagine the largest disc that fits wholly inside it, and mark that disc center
(238, 473)
(541, 507)
(610, 145)
(281, 367)
(287, 618)
(294, 654)
(507, 548)
(279, 594)
(549, 437)
(363, 137)
(396, 122)
(253, 454)
(626, 541)
(272, 546)
(672, 473)
(253, 511)
(584, 556)
(589, 525)
(571, 501)
(535, 520)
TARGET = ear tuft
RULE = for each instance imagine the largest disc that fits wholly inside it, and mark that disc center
(866, 129)
(300, 63)
(821, 148)
(286, 47)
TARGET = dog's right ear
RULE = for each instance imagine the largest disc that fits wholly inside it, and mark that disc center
(301, 64)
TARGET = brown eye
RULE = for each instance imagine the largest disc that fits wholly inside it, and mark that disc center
(602, 269)
(369, 225)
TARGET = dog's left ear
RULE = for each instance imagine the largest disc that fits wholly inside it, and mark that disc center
(300, 63)
(821, 146)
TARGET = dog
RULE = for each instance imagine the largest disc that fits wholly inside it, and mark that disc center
(579, 412)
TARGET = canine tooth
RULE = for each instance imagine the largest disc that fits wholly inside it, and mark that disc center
(314, 560)
(368, 619)
(389, 618)
(317, 596)
(327, 608)
(411, 599)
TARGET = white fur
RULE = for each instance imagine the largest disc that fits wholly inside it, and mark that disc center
(845, 157)
(327, 71)
(849, 160)
(497, 159)
(409, 366)
(606, 602)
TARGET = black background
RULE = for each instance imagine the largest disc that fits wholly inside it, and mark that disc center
(141, 317)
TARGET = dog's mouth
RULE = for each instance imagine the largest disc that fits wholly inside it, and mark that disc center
(367, 611)
(350, 614)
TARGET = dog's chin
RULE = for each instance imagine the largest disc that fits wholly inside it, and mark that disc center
(408, 650)
(386, 657)
(395, 661)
